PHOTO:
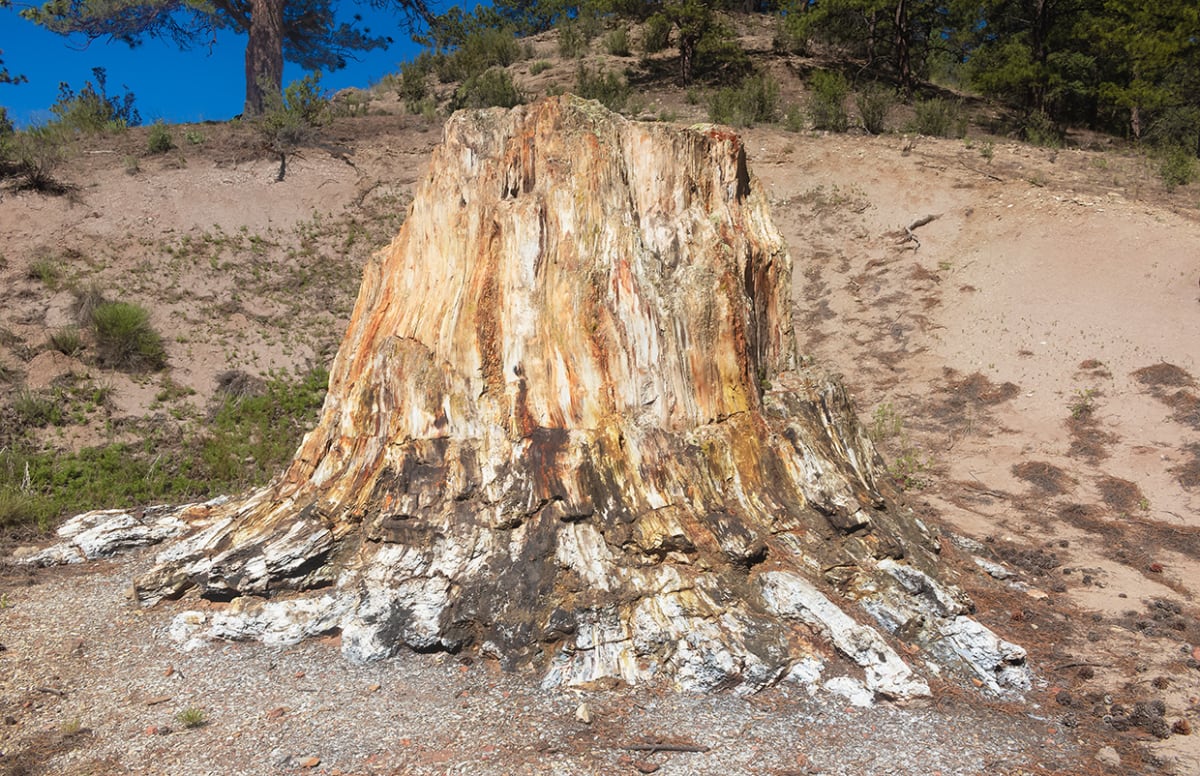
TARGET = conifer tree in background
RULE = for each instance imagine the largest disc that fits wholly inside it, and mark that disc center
(5, 76)
(1151, 54)
(301, 31)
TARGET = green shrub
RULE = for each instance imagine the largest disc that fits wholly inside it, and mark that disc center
(874, 104)
(1176, 166)
(92, 109)
(87, 299)
(193, 137)
(539, 67)
(46, 270)
(605, 86)
(719, 55)
(480, 51)
(413, 83)
(795, 119)
(255, 431)
(755, 100)
(125, 339)
(160, 140)
(247, 442)
(827, 103)
(1174, 127)
(191, 717)
(37, 153)
(291, 119)
(937, 117)
(656, 35)
(35, 410)
(572, 44)
(1039, 129)
(491, 88)
(68, 341)
(616, 42)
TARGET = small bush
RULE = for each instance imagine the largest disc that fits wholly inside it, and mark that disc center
(92, 109)
(125, 339)
(37, 153)
(45, 270)
(193, 137)
(539, 67)
(86, 301)
(787, 38)
(68, 341)
(755, 100)
(719, 55)
(656, 35)
(572, 44)
(1176, 167)
(492, 88)
(874, 104)
(605, 86)
(160, 140)
(261, 423)
(937, 117)
(827, 103)
(795, 119)
(413, 84)
(291, 119)
(36, 410)
(616, 42)
(481, 50)
(191, 717)
(1039, 129)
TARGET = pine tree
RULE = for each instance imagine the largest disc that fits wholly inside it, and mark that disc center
(302, 31)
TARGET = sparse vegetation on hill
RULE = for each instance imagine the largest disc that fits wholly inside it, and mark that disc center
(676, 59)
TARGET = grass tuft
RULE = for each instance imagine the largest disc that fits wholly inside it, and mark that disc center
(125, 338)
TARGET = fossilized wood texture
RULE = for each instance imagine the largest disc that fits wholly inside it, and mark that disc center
(567, 428)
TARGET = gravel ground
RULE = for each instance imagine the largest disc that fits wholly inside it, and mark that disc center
(91, 684)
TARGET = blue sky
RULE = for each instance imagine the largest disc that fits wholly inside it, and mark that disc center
(171, 85)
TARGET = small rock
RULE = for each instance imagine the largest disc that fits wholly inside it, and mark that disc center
(308, 762)
(299, 674)
(374, 688)
(169, 671)
(1063, 698)
(1156, 568)
(278, 757)
(1182, 727)
(276, 712)
(644, 767)
(584, 714)
(1108, 756)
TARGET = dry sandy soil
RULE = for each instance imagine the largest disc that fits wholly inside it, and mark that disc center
(1029, 365)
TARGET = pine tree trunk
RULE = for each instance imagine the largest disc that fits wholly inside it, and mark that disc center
(902, 52)
(264, 55)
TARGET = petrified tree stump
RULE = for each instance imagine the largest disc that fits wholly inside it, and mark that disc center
(567, 428)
